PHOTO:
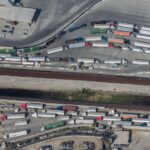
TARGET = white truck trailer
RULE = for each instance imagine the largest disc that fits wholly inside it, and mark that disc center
(15, 134)
(140, 62)
(55, 50)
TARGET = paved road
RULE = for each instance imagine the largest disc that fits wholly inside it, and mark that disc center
(54, 15)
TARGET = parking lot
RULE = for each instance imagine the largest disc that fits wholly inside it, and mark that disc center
(78, 142)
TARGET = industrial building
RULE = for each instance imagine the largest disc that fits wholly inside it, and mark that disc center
(15, 13)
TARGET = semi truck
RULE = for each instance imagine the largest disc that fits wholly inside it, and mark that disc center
(53, 125)
(145, 32)
(16, 134)
(100, 44)
(13, 59)
(86, 60)
(93, 38)
(16, 116)
(116, 40)
(32, 105)
(142, 44)
(98, 31)
(127, 25)
(125, 29)
(121, 33)
(36, 59)
(55, 50)
(140, 62)
(101, 26)
(141, 36)
(76, 45)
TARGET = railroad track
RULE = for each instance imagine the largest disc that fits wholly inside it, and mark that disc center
(129, 106)
(75, 76)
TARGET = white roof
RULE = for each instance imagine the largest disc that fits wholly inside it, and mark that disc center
(122, 137)
(5, 3)
(17, 13)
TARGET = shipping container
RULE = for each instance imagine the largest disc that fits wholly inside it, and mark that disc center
(100, 44)
(96, 114)
(146, 50)
(121, 33)
(53, 125)
(141, 36)
(16, 116)
(84, 121)
(78, 39)
(137, 49)
(144, 32)
(86, 60)
(121, 24)
(16, 134)
(5, 50)
(55, 50)
(123, 123)
(141, 120)
(73, 113)
(70, 108)
(61, 117)
(101, 108)
(31, 49)
(113, 61)
(145, 28)
(3, 55)
(91, 109)
(76, 45)
(57, 112)
(111, 118)
(141, 44)
(13, 59)
(116, 40)
(93, 38)
(140, 62)
(98, 31)
(125, 29)
(35, 106)
(21, 123)
(101, 26)
(128, 115)
(28, 63)
(38, 59)
(45, 115)
(140, 124)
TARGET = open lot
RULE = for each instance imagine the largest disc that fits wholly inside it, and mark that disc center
(140, 141)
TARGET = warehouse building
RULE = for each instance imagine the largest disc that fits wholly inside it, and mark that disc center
(13, 13)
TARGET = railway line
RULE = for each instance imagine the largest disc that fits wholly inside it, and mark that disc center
(74, 76)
